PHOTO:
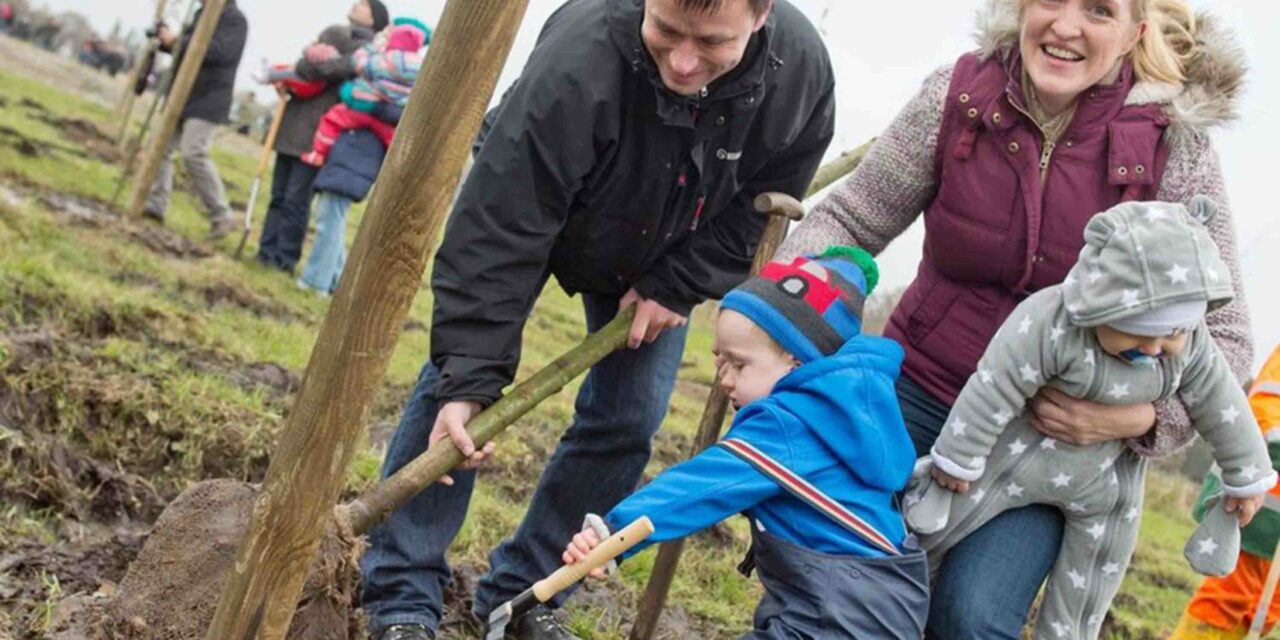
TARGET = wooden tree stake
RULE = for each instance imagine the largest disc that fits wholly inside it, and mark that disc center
(408, 206)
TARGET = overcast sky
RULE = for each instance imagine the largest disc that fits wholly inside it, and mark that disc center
(881, 51)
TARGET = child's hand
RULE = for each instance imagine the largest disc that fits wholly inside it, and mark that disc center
(580, 546)
(1245, 508)
(949, 481)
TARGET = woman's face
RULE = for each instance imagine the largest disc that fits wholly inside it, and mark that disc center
(361, 14)
(1070, 45)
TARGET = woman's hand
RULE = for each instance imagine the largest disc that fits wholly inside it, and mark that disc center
(949, 481)
(1245, 508)
(1081, 422)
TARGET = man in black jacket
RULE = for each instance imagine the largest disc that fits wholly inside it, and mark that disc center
(208, 106)
(624, 162)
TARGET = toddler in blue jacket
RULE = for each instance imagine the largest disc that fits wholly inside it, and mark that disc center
(814, 458)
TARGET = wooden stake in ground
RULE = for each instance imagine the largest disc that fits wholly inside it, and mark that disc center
(782, 208)
(409, 205)
(192, 59)
(139, 67)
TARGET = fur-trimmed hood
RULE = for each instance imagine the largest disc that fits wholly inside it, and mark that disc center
(1209, 97)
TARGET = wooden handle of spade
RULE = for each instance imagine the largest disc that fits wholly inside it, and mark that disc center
(614, 546)
(274, 130)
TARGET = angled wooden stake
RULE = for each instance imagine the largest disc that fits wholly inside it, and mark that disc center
(359, 334)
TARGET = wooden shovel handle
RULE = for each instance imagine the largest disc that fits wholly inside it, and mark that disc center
(270, 142)
(614, 546)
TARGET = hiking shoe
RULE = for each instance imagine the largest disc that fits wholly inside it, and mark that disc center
(155, 216)
(404, 632)
(538, 624)
(219, 228)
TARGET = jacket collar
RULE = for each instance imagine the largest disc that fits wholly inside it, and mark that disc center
(1097, 106)
(625, 18)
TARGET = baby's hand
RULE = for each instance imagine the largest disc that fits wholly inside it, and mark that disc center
(320, 52)
(580, 546)
(1245, 508)
(949, 481)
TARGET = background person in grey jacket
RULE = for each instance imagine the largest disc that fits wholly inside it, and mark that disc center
(285, 228)
(623, 162)
(208, 106)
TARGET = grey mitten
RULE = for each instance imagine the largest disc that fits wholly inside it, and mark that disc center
(928, 504)
(1214, 547)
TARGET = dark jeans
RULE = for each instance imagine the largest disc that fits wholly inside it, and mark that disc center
(285, 229)
(989, 580)
(598, 462)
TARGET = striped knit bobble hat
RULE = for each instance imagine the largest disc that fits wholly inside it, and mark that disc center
(811, 306)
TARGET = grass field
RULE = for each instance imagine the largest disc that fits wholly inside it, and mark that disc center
(136, 360)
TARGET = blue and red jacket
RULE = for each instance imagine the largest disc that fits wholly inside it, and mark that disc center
(834, 422)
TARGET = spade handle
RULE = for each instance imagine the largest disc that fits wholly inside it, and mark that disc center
(614, 546)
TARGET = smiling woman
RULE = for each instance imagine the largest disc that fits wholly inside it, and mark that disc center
(1068, 108)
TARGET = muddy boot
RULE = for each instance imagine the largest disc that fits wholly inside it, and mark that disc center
(220, 227)
(538, 624)
(403, 632)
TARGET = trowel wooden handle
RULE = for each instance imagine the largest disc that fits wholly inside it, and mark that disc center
(614, 546)
(779, 204)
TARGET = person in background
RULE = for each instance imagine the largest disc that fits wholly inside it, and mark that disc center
(207, 108)
(386, 70)
(284, 229)
(1224, 608)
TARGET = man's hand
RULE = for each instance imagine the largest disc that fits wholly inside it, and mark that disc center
(452, 421)
(949, 481)
(1081, 422)
(651, 319)
(582, 544)
(1245, 508)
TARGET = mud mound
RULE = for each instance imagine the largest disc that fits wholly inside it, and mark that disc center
(82, 132)
(173, 587)
(223, 294)
(168, 243)
(25, 146)
(79, 209)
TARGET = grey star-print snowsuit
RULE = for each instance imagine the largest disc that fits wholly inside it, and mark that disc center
(1137, 257)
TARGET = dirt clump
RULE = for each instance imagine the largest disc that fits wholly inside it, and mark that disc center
(172, 589)
(169, 243)
(78, 209)
(24, 145)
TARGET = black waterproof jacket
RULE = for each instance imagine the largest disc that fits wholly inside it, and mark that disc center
(211, 95)
(592, 171)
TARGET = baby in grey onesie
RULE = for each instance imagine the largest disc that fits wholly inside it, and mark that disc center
(1125, 327)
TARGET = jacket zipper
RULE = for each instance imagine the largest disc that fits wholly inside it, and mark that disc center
(1046, 154)
(697, 213)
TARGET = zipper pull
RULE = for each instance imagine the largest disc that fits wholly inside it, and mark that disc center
(1046, 154)
(697, 213)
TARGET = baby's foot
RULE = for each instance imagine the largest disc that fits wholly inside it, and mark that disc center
(1215, 546)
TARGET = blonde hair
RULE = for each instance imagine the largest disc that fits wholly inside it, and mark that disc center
(1166, 49)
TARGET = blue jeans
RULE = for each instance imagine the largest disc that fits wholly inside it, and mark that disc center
(597, 463)
(989, 580)
(329, 251)
(285, 227)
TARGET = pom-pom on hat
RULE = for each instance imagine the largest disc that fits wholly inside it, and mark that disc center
(811, 306)
(408, 34)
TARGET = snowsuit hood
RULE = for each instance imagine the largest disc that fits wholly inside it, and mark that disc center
(1140, 256)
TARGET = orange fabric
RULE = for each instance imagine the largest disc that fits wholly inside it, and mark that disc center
(1264, 399)
(1229, 602)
